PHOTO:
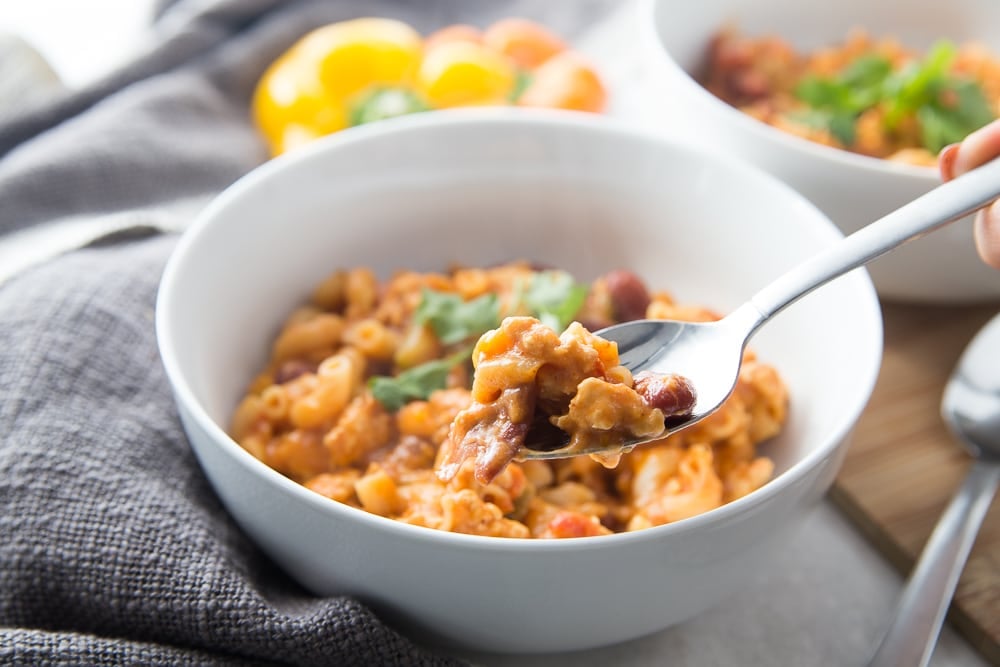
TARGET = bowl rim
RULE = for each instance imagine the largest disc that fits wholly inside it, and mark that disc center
(556, 121)
(651, 39)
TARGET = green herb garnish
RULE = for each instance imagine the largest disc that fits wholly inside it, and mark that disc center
(521, 82)
(453, 319)
(554, 298)
(415, 384)
(382, 103)
(551, 296)
(915, 85)
(839, 124)
(957, 110)
(947, 107)
(837, 102)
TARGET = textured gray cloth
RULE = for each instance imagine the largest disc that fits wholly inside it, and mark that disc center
(113, 547)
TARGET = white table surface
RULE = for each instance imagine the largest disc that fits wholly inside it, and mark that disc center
(822, 602)
(826, 597)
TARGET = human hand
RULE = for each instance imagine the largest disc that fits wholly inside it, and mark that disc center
(978, 148)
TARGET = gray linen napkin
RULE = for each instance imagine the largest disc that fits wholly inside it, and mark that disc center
(113, 547)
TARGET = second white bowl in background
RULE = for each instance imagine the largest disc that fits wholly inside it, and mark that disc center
(852, 189)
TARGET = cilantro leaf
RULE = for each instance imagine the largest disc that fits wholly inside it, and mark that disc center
(937, 129)
(836, 102)
(839, 124)
(414, 384)
(555, 298)
(382, 103)
(959, 109)
(842, 127)
(855, 89)
(866, 72)
(453, 319)
(947, 108)
(521, 82)
(821, 93)
(914, 85)
(971, 105)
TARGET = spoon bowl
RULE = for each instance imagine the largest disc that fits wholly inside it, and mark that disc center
(709, 351)
(709, 354)
(970, 406)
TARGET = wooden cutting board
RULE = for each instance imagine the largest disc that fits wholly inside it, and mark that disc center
(903, 466)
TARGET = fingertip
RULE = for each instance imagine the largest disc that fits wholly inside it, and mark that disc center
(976, 149)
(946, 161)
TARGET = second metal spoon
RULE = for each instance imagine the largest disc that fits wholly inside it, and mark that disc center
(971, 410)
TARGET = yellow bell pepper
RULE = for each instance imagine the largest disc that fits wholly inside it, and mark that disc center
(308, 91)
(363, 70)
(462, 73)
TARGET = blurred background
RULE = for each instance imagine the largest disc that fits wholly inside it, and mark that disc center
(77, 42)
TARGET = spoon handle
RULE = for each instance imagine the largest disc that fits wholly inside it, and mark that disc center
(942, 205)
(913, 633)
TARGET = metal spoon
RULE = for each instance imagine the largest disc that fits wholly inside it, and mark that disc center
(709, 354)
(971, 410)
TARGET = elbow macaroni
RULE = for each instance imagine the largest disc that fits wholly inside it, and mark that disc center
(310, 415)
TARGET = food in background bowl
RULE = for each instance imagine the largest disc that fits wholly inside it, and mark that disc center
(368, 400)
(852, 189)
(485, 186)
(870, 96)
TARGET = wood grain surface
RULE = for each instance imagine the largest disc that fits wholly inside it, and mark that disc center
(903, 466)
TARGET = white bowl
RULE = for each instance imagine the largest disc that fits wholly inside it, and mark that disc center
(479, 187)
(851, 189)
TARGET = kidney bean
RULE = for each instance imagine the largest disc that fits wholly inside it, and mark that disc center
(731, 53)
(751, 84)
(291, 369)
(672, 394)
(629, 297)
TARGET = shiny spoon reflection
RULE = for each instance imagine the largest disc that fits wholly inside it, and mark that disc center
(971, 410)
(709, 354)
